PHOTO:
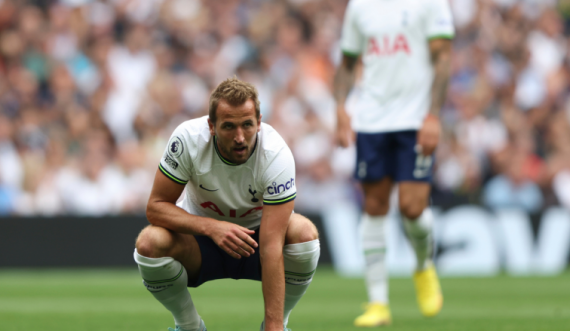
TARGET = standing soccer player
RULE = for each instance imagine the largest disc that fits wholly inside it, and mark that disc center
(405, 46)
(236, 219)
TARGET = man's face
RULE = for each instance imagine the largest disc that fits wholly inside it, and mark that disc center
(235, 129)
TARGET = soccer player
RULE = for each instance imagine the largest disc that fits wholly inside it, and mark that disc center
(236, 219)
(405, 47)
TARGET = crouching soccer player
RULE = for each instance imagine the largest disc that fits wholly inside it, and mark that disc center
(236, 219)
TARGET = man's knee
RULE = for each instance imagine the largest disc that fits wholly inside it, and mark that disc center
(377, 196)
(376, 207)
(155, 241)
(301, 230)
(412, 208)
(413, 198)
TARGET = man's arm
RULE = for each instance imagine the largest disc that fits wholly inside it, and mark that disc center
(343, 83)
(440, 52)
(274, 222)
(162, 211)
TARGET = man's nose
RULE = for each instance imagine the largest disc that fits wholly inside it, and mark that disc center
(239, 138)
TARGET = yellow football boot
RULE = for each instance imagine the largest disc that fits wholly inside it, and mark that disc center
(428, 291)
(376, 314)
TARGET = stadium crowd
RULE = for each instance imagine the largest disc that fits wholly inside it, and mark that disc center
(90, 91)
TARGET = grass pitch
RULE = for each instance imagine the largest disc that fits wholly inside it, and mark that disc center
(93, 300)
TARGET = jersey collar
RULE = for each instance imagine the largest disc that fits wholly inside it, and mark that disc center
(226, 161)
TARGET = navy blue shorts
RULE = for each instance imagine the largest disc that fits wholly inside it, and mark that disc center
(217, 264)
(391, 154)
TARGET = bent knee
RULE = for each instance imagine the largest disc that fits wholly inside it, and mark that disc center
(154, 241)
(301, 230)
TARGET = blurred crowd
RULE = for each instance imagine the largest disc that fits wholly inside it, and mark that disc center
(90, 91)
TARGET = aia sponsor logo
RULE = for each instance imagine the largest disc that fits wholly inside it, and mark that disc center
(229, 213)
(388, 45)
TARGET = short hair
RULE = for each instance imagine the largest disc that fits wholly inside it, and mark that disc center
(235, 92)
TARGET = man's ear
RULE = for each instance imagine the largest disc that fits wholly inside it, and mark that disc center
(212, 127)
(259, 123)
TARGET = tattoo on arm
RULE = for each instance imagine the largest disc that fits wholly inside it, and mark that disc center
(344, 78)
(440, 50)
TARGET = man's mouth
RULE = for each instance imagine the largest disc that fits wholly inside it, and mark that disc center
(240, 150)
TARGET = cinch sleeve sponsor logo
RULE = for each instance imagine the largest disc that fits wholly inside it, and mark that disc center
(276, 189)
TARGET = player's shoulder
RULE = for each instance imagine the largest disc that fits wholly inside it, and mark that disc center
(191, 136)
(194, 130)
(271, 142)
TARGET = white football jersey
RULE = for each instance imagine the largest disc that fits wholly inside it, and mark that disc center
(219, 189)
(392, 37)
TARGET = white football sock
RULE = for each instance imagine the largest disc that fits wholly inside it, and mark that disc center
(374, 246)
(300, 261)
(167, 280)
(419, 234)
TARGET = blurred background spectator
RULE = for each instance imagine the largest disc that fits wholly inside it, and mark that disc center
(90, 91)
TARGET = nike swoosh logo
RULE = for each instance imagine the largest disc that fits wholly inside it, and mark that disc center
(202, 187)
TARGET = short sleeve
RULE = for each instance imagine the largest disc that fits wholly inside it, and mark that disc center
(439, 22)
(279, 179)
(352, 40)
(176, 162)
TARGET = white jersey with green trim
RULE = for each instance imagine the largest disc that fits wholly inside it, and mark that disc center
(224, 191)
(392, 38)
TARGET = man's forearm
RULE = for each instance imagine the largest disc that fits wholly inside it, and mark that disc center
(441, 60)
(344, 79)
(273, 286)
(170, 216)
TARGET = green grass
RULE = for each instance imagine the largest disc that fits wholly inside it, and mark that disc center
(93, 300)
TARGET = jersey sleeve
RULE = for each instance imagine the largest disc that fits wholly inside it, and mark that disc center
(176, 162)
(279, 179)
(439, 22)
(352, 39)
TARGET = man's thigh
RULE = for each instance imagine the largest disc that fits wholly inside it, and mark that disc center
(413, 176)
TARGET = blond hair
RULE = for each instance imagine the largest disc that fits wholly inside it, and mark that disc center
(236, 93)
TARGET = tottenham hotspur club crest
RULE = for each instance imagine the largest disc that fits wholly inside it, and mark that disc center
(175, 147)
(254, 199)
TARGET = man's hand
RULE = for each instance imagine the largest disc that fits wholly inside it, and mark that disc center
(428, 136)
(344, 134)
(233, 239)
